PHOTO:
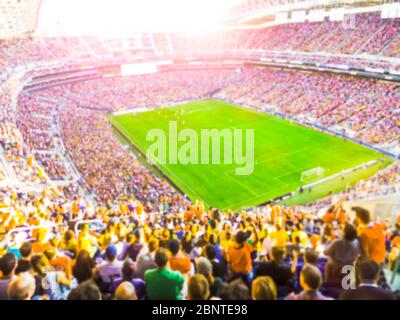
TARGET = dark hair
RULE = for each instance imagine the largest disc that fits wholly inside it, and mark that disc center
(236, 290)
(68, 235)
(161, 257)
(213, 239)
(312, 276)
(83, 269)
(311, 256)
(350, 232)
(362, 214)
(211, 252)
(128, 270)
(7, 263)
(174, 246)
(26, 249)
(87, 290)
(278, 253)
(241, 237)
(368, 270)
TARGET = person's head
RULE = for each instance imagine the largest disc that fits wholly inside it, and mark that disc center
(278, 254)
(8, 264)
(236, 290)
(174, 246)
(204, 266)
(311, 257)
(241, 237)
(153, 245)
(26, 250)
(310, 278)
(125, 291)
(22, 288)
(40, 263)
(264, 288)
(87, 290)
(362, 215)
(111, 252)
(198, 288)
(68, 235)
(213, 239)
(83, 269)
(349, 232)
(368, 271)
(211, 252)
(161, 257)
(128, 270)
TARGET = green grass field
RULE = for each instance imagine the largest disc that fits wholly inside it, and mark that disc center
(282, 151)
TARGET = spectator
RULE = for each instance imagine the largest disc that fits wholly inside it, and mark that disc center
(125, 291)
(128, 275)
(8, 264)
(341, 252)
(371, 235)
(177, 261)
(24, 264)
(368, 272)
(83, 268)
(204, 267)
(235, 290)
(22, 287)
(145, 261)
(50, 283)
(109, 270)
(282, 274)
(163, 283)
(239, 257)
(311, 282)
(198, 288)
(87, 290)
(263, 288)
(219, 267)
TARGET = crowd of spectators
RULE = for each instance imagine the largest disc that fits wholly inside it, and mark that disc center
(130, 252)
(366, 108)
(357, 34)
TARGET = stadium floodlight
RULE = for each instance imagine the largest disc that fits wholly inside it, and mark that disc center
(116, 17)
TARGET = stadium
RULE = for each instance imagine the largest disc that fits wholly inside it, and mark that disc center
(200, 150)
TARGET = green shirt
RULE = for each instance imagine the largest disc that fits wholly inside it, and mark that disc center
(163, 284)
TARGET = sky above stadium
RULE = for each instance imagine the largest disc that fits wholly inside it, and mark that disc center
(109, 17)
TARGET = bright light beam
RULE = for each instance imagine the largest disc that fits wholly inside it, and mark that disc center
(116, 17)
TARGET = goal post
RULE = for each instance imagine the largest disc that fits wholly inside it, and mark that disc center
(312, 174)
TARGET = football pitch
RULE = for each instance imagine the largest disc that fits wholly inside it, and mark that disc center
(282, 152)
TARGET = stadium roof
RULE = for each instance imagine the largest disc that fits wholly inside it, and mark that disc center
(76, 17)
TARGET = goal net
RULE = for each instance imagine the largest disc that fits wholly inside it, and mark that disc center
(312, 174)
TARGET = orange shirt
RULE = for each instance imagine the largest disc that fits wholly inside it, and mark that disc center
(239, 258)
(62, 263)
(39, 247)
(372, 240)
(181, 264)
(396, 242)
